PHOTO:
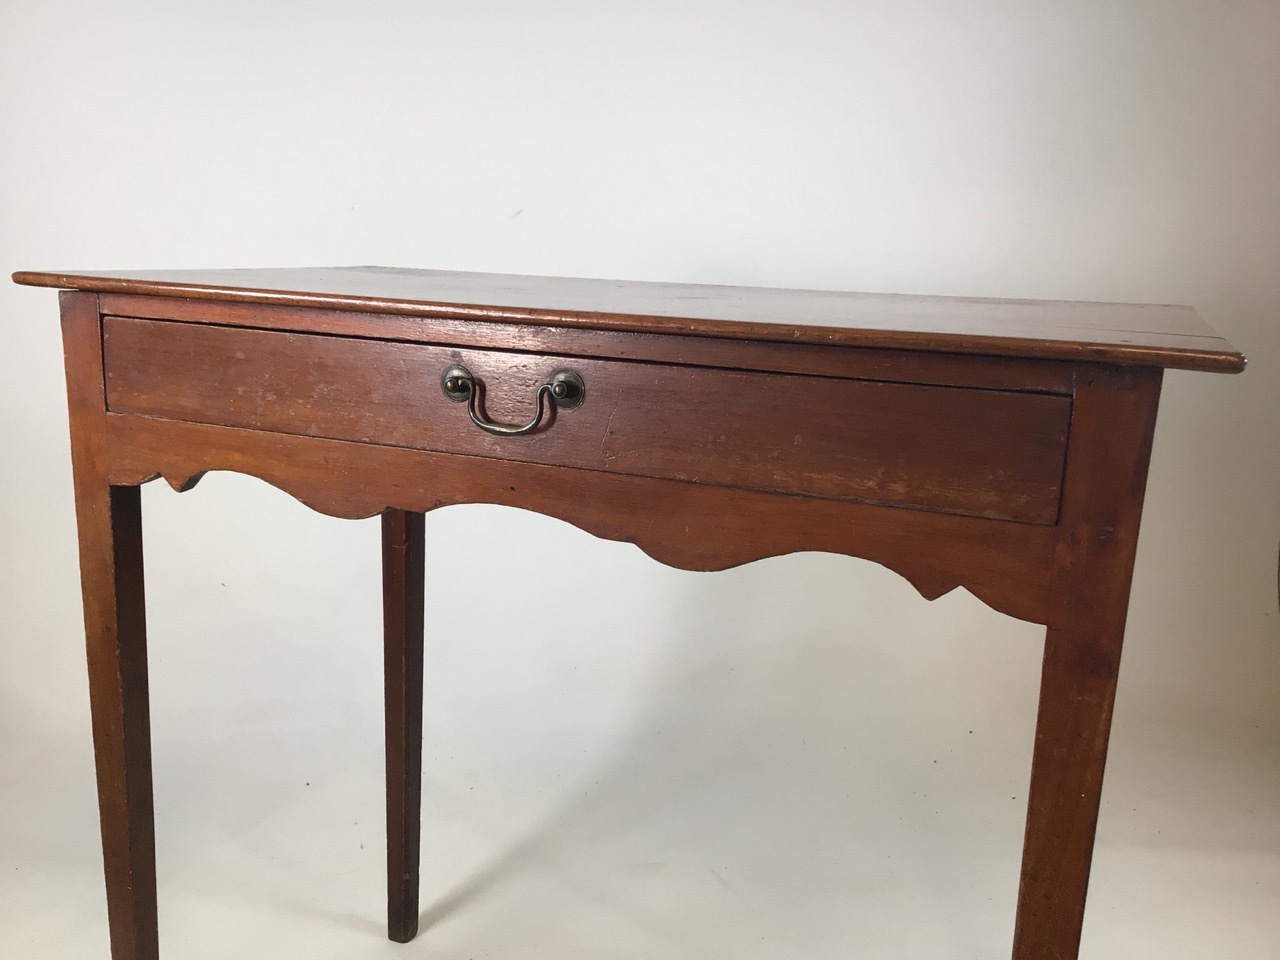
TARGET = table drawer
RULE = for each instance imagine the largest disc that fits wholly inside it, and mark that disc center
(988, 453)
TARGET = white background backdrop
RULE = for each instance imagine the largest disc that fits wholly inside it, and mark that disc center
(797, 758)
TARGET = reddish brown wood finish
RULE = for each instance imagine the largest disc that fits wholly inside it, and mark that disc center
(1155, 334)
(978, 452)
(110, 523)
(333, 396)
(1115, 418)
(1007, 565)
(403, 571)
(823, 360)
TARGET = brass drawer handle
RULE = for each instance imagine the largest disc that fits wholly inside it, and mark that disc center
(565, 388)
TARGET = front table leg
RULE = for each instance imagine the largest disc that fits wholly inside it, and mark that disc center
(110, 524)
(402, 611)
(1112, 425)
(1077, 692)
(109, 521)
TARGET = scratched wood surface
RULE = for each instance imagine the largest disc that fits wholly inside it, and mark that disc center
(981, 452)
(1155, 334)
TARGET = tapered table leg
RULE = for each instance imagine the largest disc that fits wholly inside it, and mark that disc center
(115, 629)
(109, 521)
(402, 598)
(1112, 426)
(1076, 697)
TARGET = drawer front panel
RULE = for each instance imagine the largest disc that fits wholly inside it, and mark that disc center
(986, 453)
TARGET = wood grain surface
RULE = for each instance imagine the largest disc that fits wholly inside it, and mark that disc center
(1155, 334)
(979, 452)
(827, 360)
(692, 526)
(1102, 507)
(109, 519)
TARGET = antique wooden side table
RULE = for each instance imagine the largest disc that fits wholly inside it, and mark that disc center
(998, 445)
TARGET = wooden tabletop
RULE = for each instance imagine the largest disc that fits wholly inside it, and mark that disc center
(1143, 334)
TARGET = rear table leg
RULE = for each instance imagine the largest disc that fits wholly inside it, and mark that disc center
(403, 589)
